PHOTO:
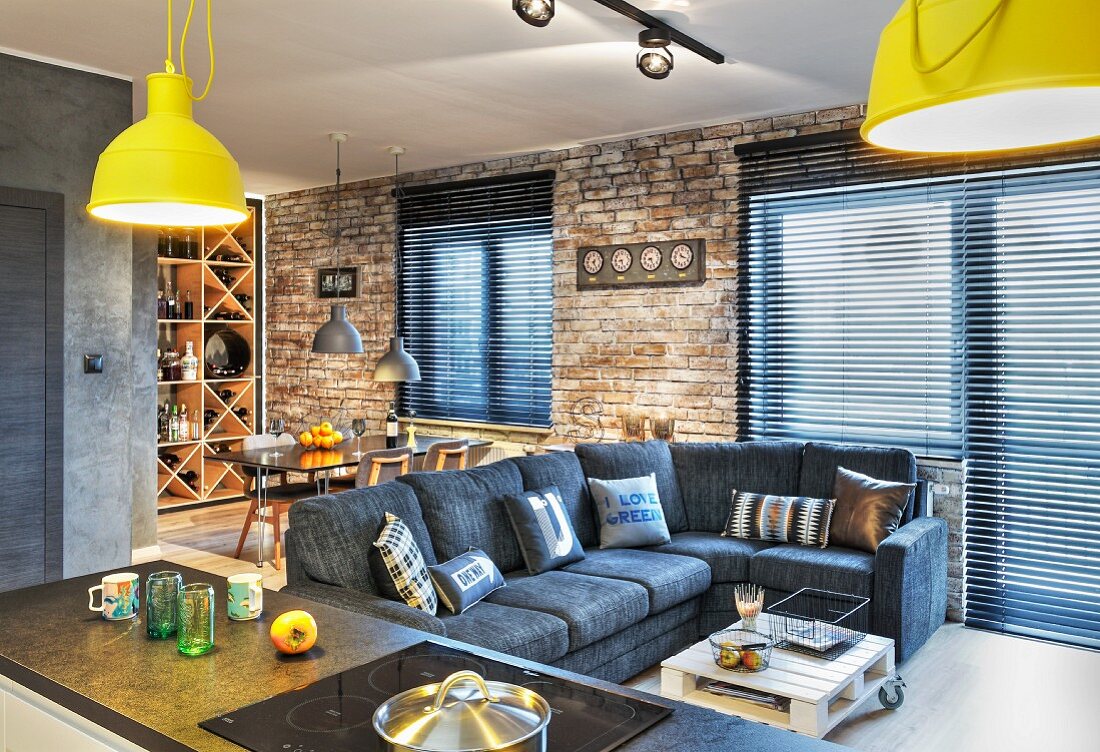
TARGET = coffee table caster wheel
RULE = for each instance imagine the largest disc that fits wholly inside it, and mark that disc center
(891, 695)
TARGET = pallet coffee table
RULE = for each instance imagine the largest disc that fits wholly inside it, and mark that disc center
(822, 692)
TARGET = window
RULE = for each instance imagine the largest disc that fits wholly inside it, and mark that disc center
(476, 299)
(952, 308)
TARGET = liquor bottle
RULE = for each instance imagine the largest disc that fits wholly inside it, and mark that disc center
(184, 424)
(196, 429)
(170, 309)
(170, 367)
(162, 423)
(189, 364)
(188, 307)
(179, 305)
(392, 428)
(174, 425)
(162, 304)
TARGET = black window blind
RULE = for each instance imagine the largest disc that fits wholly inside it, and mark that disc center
(951, 307)
(476, 299)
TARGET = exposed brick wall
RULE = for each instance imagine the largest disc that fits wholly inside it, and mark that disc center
(655, 349)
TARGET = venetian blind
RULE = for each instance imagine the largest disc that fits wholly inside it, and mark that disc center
(475, 298)
(951, 307)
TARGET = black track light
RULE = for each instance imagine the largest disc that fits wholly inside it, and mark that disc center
(654, 58)
(534, 12)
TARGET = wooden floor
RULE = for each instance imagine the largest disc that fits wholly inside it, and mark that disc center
(968, 691)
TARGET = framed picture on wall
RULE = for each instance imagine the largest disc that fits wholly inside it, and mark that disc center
(338, 283)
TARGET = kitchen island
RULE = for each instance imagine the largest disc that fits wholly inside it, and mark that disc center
(70, 680)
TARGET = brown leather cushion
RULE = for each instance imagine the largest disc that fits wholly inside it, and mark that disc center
(867, 510)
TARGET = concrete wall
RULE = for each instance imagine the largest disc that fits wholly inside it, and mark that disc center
(54, 122)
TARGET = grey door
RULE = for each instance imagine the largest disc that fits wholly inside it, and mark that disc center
(30, 396)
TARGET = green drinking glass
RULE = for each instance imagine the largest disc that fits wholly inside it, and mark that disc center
(161, 592)
(195, 619)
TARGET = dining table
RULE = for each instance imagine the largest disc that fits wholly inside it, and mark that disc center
(294, 458)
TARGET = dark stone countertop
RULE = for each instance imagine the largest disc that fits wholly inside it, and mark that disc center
(143, 690)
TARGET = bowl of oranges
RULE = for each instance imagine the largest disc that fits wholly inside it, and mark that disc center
(321, 436)
(741, 650)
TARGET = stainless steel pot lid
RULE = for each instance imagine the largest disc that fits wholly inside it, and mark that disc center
(463, 713)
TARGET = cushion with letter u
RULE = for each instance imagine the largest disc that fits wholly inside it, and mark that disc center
(543, 529)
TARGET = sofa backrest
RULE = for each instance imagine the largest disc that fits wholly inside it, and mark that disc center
(563, 469)
(820, 461)
(709, 473)
(463, 508)
(635, 459)
(334, 535)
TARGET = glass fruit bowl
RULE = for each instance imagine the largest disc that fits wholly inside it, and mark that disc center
(741, 650)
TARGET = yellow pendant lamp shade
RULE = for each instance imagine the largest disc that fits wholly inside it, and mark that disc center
(986, 75)
(167, 169)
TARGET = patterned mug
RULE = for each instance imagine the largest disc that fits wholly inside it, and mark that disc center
(121, 594)
(246, 596)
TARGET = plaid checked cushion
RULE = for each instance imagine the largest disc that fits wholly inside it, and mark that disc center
(784, 519)
(405, 565)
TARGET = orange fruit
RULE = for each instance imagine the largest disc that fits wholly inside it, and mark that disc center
(294, 632)
(337, 437)
(306, 438)
(326, 429)
(326, 442)
(315, 430)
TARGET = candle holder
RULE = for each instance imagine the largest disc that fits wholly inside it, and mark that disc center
(750, 602)
(633, 427)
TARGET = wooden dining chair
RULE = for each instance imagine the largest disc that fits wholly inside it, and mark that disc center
(446, 455)
(280, 496)
(381, 465)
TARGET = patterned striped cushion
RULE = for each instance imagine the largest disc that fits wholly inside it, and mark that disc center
(405, 565)
(784, 519)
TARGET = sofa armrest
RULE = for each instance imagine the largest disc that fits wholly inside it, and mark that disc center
(910, 600)
(369, 605)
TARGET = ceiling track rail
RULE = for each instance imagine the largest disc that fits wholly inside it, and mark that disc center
(652, 22)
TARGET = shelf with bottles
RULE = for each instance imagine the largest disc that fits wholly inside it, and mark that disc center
(230, 243)
(179, 472)
(179, 293)
(179, 362)
(222, 422)
(224, 481)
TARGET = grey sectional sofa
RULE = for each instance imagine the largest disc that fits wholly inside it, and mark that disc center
(620, 611)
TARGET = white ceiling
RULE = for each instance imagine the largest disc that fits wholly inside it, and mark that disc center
(458, 81)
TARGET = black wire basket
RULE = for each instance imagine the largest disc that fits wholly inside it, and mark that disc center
(819, 622)
(741, 650)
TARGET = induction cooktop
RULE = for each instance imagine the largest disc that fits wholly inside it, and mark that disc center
(335, 713)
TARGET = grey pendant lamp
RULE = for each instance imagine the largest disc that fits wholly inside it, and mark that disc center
(337, 335)
(396, 364)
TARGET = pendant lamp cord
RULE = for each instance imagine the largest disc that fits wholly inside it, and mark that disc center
(396, 247)
(914, 48)
(169, 66)
(337, 230)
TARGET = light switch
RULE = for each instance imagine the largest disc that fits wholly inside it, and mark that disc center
(93, 364)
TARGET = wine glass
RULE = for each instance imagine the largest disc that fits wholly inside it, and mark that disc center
(358, 427)
(275, 428)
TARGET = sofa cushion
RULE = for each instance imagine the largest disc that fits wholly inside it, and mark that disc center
(781, 519)
(543, 529)
(709, 472)
(405, 567)
(630, 512)
(728, 558)
(669, 579)
(634, 459)
(593, 607)
(334, 535)
(562, 469)
(820, 461)
(792, 567)
(465, 580)
(868, 510)
(463, 509)
(533, 635)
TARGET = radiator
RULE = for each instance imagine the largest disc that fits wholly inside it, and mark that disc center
(495, 452)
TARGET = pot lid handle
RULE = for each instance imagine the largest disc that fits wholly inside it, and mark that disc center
(455, 678)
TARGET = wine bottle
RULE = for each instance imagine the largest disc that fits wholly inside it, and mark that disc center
(209, 416)
(392, 427)
(170, 459)
(241, 412)
(225, 394)
(170, 307)
(188, 307)
(162, 423)
(179, 305)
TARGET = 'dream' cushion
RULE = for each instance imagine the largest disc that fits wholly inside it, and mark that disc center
(629, 511)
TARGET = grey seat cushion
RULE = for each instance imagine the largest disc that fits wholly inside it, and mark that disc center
(593, 607)
(562, 469)
(728, 558)
(633, 460)
(820, 461)
(792, 567)
(708, 473)
(669, 580)
(524, 633)
(463, 509)
(334, 534)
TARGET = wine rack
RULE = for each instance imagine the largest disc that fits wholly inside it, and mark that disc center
(224, 282)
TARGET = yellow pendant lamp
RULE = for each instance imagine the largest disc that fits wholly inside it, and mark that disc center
(167, 170)
(986, 75)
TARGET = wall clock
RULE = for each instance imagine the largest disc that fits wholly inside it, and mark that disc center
(651, 263)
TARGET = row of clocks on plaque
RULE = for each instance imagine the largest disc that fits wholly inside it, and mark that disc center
(642, 263)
